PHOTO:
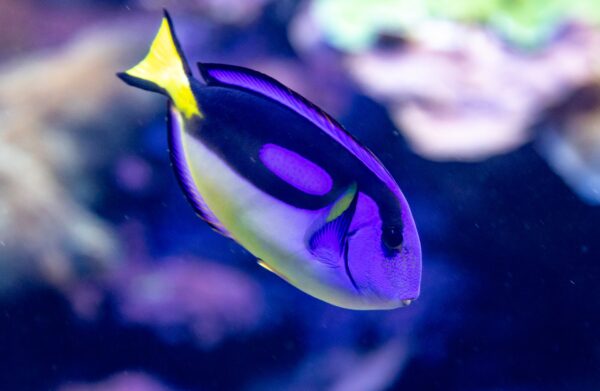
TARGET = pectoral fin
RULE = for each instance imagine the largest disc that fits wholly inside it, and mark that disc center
(328, 238)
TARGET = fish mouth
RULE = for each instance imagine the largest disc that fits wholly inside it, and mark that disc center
(402, 302)
(347, 266)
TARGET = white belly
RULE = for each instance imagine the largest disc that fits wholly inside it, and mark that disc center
(270, 229)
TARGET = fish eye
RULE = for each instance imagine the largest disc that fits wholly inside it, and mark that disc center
(392, 236)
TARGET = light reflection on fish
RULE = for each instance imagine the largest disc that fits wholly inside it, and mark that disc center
(272, 171)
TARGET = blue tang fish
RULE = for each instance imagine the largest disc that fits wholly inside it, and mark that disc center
(267, 168)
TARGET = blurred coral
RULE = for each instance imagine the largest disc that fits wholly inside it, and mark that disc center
(571, 142)
(60, 115)
(344, 369)
(240, 12)
(127, 381)
(187, 297)
(355, 25)
(375, 370)
(510, 253)
(30, 25)
(459, 92)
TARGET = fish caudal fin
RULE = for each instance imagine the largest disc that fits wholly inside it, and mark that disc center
(165, 70)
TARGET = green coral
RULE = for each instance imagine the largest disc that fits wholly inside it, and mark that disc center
(355, 24)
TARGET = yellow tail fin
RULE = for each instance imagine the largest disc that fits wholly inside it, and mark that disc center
(165, 70)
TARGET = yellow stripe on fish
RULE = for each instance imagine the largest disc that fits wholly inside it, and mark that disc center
(342, 204)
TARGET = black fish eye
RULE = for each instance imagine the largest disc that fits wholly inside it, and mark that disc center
(392, 236)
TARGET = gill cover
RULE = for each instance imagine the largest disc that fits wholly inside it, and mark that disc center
(165, 70)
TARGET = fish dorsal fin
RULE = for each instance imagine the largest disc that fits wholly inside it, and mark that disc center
(182, 171)
(327, 239)
(229, 75)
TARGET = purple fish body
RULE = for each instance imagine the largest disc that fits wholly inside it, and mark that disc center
(269, 169)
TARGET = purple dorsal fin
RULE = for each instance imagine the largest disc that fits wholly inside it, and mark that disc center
(229, 75)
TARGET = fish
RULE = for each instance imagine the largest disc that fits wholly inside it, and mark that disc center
(267, 168)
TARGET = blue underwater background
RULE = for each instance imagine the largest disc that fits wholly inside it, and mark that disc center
(486, 113)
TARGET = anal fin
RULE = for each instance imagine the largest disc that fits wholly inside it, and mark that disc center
(327, 240)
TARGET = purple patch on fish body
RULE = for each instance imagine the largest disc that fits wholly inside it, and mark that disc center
(296, 170)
